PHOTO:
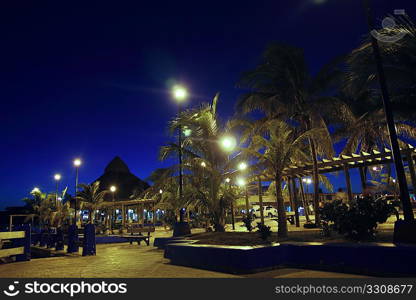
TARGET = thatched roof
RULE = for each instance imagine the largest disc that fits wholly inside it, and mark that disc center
(117, 173)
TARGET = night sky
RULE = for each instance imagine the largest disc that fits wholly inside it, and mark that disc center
(91, 79)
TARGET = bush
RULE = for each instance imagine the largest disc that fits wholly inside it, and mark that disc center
(358, 220)
(264, 231)
(169, 219)
(247, 220)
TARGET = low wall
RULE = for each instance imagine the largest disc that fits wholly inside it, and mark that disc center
(369, 259)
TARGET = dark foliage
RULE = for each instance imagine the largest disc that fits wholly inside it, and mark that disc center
(264, 231)
(358, 220)
(247, 220)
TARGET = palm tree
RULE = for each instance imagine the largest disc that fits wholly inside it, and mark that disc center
(399, 62)
(364, 126)
(205, 164)
(277, 146)
(164, 180)
(91, 198)
(282, 87)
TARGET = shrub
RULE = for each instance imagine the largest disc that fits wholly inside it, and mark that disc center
(264, 231)
(358, 220)
(247, 220)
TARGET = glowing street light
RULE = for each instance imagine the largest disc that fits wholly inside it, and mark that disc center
(186, 131)
(113, 190)
(228, 143)
(242, 166)
(241, 182)
(160, 191)
(35, 190)
(77, 163)
(179, 93)
(308, 181)
(203, 164)
(57, 178)
(227, 180)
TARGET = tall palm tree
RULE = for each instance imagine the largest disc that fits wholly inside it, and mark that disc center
(204, 162)
(164, 180)
(282, 87)
(277, 146)
(399, 62)
(91, 198)
(364, 127)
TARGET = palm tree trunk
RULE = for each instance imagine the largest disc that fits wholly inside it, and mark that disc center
(315, 182)
(305, 205)
(260, 191)
(295, 201)
(281, 213)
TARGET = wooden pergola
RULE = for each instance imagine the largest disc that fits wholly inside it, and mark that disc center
(124, 204)
(352, 161)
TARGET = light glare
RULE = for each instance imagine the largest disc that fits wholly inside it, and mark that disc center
(77, 162)
(179, 93)
(228, 143)
(242, 166)
(241, 182)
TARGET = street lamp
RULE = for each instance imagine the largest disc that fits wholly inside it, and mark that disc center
(187, 131)
(203, 164)
(308, 181)
(113, 190)
(228, 181)
(160, 191)
(180, 94)
(77, 164)
(35, 190)
(241, 182)
(228, 143)
(242, 166)
(57, 178)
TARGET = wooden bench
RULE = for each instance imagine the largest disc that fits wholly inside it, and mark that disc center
(136, 234)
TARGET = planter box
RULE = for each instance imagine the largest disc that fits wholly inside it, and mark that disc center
(369, 259)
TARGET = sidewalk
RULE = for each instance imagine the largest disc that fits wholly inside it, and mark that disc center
(131, 261)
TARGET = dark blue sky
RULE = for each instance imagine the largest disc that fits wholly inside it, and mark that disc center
(90, 79)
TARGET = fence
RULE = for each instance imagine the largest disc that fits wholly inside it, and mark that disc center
(20, 243)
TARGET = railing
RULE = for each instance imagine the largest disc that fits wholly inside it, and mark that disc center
(20, 243)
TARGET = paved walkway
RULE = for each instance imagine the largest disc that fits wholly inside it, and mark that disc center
(130, 261)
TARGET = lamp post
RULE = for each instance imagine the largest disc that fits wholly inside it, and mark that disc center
(228, 144)
(113, 190)
(308, 181)
(242, 166)
(228, 181)
(180, 94)
(241, 182)
(57, 178)
(77, 164)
